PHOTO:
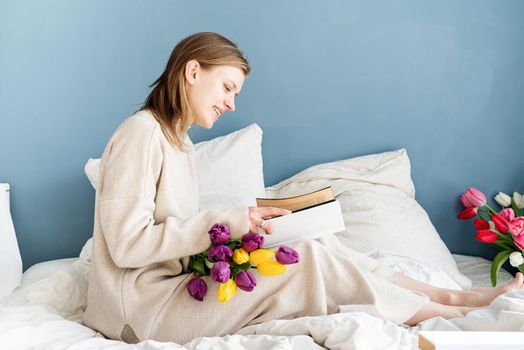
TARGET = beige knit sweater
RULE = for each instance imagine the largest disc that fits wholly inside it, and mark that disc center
(147, 223)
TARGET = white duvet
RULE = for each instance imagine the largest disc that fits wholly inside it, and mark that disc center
(46, 313)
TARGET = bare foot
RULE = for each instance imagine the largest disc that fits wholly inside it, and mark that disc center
(484, 296)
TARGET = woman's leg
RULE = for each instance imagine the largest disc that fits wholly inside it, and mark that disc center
(323, 283)
(433, 309)
(472, 298)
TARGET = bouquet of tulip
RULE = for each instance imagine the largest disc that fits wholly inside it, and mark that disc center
(504, 228)
(228, 261)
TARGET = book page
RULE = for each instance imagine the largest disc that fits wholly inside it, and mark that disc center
(299, 202)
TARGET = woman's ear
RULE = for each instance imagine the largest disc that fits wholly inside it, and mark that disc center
(192, 69)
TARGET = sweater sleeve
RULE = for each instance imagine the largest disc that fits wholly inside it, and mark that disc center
(126, 205)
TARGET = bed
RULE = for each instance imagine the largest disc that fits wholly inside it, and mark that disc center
(376, 194)
(45, 312)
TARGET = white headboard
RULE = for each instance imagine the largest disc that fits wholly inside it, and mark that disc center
(4, 191)
(10, 259)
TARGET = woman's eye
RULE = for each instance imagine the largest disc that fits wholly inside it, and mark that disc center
(227, 88)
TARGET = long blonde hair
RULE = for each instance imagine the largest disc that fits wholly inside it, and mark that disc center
(168, 100)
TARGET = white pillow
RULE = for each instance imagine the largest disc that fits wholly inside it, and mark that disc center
(377, 197)
(229, 169)
(10, 259)
(45, 269)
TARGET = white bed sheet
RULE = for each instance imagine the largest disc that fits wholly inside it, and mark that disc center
(478, 270)
(46, 312)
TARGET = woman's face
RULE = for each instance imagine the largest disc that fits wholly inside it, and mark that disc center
(211, 91)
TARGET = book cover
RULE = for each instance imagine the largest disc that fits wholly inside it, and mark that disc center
(313, 215)
(301, 202)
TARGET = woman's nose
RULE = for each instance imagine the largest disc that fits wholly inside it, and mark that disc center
(230, 104)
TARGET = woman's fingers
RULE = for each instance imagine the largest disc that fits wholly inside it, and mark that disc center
(273, 211)
(258, 217)
(254, 218)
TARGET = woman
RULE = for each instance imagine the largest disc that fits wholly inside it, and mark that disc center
(147, 224)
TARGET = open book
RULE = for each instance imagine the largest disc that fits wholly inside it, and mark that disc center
(313, 215)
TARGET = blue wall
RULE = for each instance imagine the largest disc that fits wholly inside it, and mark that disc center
(330, 80)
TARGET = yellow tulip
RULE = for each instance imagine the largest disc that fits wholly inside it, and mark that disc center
(271, 268)
(226, 291)
(240, 256)
(260, 255)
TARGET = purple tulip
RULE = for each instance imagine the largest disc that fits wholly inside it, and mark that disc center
(252, 241)
(286, 255)
(219, 234)
(246, 281)
(197, 288)
(219, 253)
(220, 271)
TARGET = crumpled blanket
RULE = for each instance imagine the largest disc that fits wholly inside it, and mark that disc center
(47, 314)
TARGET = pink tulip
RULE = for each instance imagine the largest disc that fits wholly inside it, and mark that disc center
(467, 213)
(507, 214)
(516, 226)
(519, 241)
(473, 198)
(501, 224)
(486, 236)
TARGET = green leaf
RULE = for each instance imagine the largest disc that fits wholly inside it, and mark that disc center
(234, 271)
(190, 264)
(235, 244)
(521, 268)
(245, 266)
(209, 263)
(198, 266)
(499, 259)
(514, 207)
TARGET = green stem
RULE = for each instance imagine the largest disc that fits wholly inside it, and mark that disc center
(502, 245)
(481, 215)
(506, 246)
(490, 209)
(508, 242)
(505, 237)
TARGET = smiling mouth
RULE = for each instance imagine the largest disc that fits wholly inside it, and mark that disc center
(216, 111)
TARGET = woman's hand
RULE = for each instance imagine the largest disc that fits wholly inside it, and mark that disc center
(258, 215)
